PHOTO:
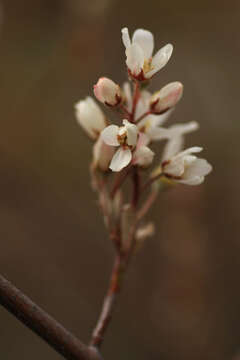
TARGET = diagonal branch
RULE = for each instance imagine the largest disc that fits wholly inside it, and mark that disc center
(36, 319)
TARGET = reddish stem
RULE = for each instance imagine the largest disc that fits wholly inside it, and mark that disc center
(125, 111)
(143, 116)
(109, 302)
(135, 100)
(147, 204)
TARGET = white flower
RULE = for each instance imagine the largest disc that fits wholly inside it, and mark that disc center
(139, 51)
(187, 168)
(175, 138)
(90, 117)
(102, 154)
(156, 132)
(107, 92)
(167, 97)
(125, 137)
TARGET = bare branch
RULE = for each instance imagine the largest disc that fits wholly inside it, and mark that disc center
(36, 319)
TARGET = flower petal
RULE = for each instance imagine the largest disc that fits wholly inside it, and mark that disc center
(125, 37)
(197, 180)
(144, 39)
(189, 151)
(160, 59)
(135, 59)
(172, 147)
(175, 167)
(200, 167)
(120, 159)
(132, 133)
(181, 129)
(109, 135)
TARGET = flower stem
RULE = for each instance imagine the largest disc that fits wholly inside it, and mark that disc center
(147, 204)
(149, 112)
(135, 99)
(109, 302)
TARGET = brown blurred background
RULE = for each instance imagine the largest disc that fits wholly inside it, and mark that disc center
(181, 300)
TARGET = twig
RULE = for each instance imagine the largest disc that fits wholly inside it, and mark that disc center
(151, 180)
(147, 205)
(109, 302)
(42, 324)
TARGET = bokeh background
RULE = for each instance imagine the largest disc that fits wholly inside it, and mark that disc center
(182, 295)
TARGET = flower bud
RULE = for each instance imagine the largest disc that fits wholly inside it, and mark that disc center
(90, 117)
(102, 154)
(166, 98)
(107, 92)
(143, 156)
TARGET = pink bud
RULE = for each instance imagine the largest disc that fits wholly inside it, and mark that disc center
(107, 92)
(166, 98)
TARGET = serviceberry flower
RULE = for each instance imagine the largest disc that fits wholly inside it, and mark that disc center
(166, 98)
(124, 136)
(90, 117)
(108, 92)
(141, 65)
(173, 132)
(186, 168)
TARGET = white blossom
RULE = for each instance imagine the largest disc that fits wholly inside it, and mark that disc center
(141, 64)
(167, 97)
(90, 117)
(107, 92)
(124, 136)
(172, 132)
(176, 138)
(186, 168)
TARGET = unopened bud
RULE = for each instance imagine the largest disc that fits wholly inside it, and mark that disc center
(143, 156)
(90, 117)
(102, 154)
(107, 92)
(166, 98)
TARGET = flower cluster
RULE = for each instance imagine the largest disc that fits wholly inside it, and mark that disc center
(143, 118)
(123, 153)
